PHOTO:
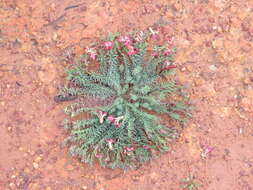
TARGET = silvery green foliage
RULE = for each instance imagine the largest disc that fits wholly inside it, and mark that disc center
(128, 131)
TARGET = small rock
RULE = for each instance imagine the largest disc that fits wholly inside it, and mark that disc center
(13, 176)
(35, 165)
(9, 128)
(225, 111)
(183, 69)
(55, 36)
(38, 159)
(12, 185)
(19, 181)
(84, 187)
(213, 68)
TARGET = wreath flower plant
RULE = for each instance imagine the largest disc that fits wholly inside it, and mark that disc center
(134, 78)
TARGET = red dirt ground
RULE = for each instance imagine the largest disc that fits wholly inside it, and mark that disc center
(215, 58)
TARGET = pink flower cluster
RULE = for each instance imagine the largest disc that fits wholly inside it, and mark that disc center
(170, 40)
(131, 50)
(110, 142)
(115, 120)
(154, 34)
(167, 52)
(91, 52)
(128, 149)
(146, 147)
(128, 42)
(206, 150)
(98, 155)
(155, 54)
(108, 45)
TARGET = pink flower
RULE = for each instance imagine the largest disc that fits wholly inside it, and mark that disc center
(170, 40)
(132, 50)
(167, 52)
(163, 131)
(101, 116)
(155, 37)
(108, 45)
(155, 54)
(207, 150)
(126, 40)
(110, 140)
(129, 149)
(93, 56)
(111, 118)
(117, 120)
(91, 52)
(98, 156)
(114, 120)
(154, 34)
(146, 147)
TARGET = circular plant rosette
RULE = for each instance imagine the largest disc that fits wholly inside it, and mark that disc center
(133, 79)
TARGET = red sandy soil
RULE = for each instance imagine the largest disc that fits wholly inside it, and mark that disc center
(215, 60)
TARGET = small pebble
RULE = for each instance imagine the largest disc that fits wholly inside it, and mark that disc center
(240, 131)
(35, 165)
(183, 69)
(213, 68)
(13, 176)
(38, 159)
